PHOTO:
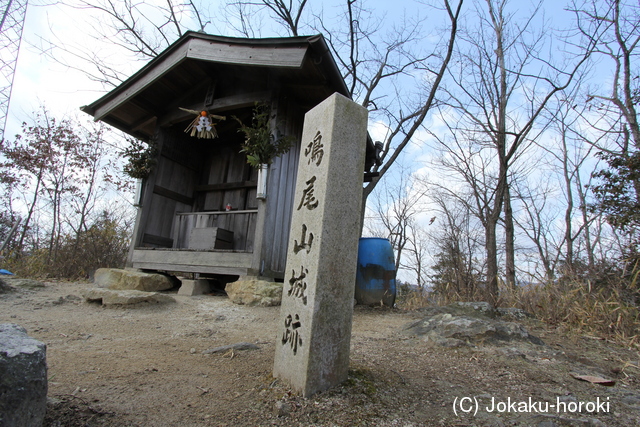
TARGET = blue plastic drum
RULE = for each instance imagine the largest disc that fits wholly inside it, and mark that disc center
(376, 274)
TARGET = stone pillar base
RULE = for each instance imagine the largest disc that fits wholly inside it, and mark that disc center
(194, 287)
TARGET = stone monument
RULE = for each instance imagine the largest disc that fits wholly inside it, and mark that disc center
(312, 347)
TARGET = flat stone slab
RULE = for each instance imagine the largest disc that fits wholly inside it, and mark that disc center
(254, 292)
(118, 279)
(109, 297)
(23, 378)
(23, 283)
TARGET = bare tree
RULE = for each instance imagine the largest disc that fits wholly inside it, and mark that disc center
(376, 62)
(56, 170)
(614, 27)
(573, 153)
(417, 251)
(500, 86)
(537, 221)
(140, 30)
(456, 243)
(394, 212)
(405, 118)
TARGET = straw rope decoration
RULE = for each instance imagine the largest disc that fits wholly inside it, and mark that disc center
(202, 126)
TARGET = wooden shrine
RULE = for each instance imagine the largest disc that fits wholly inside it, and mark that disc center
(198, 208)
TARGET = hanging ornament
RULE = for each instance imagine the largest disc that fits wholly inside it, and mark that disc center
(202, 126)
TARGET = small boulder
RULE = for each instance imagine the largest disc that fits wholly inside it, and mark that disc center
(23, 377)
(118, 279)
(451, 330)
(281, 409)
(253, 291)
(109, 297)
(6, 288)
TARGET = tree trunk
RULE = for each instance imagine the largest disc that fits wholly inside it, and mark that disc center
(510, 240)
(492, 262)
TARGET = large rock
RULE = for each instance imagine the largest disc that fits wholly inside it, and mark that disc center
(23, 378)
(110, 297)
(253, 291)
(118, 279)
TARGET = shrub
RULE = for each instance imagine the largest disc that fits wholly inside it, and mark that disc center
(104, 244)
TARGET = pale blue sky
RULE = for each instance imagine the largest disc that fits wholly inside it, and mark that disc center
(41, 82)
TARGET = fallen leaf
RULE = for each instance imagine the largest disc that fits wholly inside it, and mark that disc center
(594, 380)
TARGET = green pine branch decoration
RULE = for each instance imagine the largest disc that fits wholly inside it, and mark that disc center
(260, 144)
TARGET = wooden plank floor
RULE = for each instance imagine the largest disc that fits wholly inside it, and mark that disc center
(191, 261)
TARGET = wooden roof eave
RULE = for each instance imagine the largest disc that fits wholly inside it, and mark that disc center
(269, 52)
(324, 59)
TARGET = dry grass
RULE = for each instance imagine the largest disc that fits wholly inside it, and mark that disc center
(608, 311)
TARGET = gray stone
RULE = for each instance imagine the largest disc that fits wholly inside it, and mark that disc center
(253, 291)
(6, 288)
(68, 298)
(281, 409)
(118, 279)
(444, 327)
(191, 287)
(238, 346)
(109, 297)
(481, 306)
(312, 348)
(458, 309)
(631, 399)
(23, 378)
(514, 313)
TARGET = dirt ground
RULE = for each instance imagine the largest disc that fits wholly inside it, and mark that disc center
(144, 366)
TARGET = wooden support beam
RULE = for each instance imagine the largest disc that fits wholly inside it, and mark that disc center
(220, 104)
(151, 239)
(226, 186)
(198, 91)
(165, 192)
(239, 212)
(124, 127)
(143, 123)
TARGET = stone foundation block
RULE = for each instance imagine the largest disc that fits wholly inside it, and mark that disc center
(194, 287)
